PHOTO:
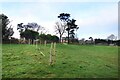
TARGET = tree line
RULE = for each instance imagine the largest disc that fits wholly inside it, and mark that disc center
(30, 31)
(33, 31)
(107, 42)
(110, 40)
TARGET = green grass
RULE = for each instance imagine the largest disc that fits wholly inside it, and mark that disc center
(73, 61)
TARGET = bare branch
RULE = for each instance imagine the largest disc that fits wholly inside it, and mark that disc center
(60, 28)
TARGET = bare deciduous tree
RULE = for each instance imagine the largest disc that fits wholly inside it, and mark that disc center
(43, 30)
(111, 37)
(60, 29)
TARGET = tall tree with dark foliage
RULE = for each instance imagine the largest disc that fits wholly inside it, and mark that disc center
(71, 26)
(29, 31)
(7, 30)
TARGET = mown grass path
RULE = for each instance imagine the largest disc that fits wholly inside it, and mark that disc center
(73, 61)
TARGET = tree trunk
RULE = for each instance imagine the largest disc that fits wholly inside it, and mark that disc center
(32, 41)
(60, 38)
(68, 37)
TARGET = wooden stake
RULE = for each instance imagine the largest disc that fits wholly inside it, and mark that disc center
(54, 51)
(29, 41)
(36, 43)
(45, 43)
(42, 53)
(51, 54)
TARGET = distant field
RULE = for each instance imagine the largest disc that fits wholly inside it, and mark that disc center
(73, 61)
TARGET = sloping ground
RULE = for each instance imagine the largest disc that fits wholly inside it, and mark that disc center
(72, 61)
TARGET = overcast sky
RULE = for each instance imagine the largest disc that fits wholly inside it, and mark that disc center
(94, 19)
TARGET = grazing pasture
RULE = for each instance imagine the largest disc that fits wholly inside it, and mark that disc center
(72, 61)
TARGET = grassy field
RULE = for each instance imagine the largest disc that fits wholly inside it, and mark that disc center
(73, 61)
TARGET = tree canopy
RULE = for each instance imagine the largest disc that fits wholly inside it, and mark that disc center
(7, 30)
(29, 34)
(28, 31)
(64, 16)
(111, 37)
(49, 38)
(71, 26)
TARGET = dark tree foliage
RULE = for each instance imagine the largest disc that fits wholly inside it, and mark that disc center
(20, 27)
(117, 42)
(103, 41)
(33, 26)
(76, 41)
(29, 34)
(30, 26)
(107, 42)
(42, 37)
(49, 38)
(71, 26)
(11, 41)
(64, 17)
(7, 31)
(55, 38)
(29, 31)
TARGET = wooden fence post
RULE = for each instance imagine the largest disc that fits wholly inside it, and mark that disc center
(45, 43)
(29, 41)
(36, 43)
(51, 54)
(54, 52)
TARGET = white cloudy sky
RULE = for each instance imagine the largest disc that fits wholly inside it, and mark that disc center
(94, 18)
